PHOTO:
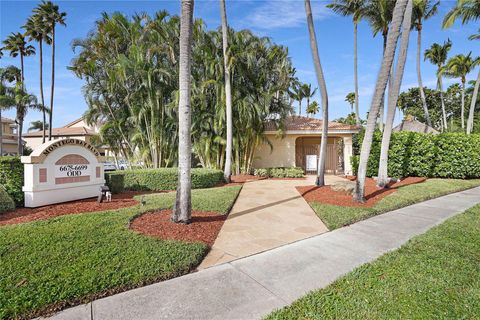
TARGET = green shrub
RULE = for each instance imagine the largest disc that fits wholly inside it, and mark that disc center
(6, 202)
(446, 155)
(280, 172)
(159, 179)
(11, 178)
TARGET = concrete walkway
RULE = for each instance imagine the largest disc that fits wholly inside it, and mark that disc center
(266, 215)
(251, 287)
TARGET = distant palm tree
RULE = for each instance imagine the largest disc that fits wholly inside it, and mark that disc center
(460, 66)
(356, 9)
(182, 212)
(382, 80)
(6, 102)
(37, 30)
(323, 93)
(437, 55)
(475, 91)
(36, 125)
(350, 98)
(299, 94)
(422, 10)
(313, 108)
(17, 45)
(308, 93)
(49, 14)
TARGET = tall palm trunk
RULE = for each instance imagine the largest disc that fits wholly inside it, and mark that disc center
(355, 71)
(323, 92)
(442, 99)
(382, 105)
(462, 112)
(41, 89)
(19, 136)
(228, 94)
(52, 87)
(393, 92)
(299, 107)
(472, 105)
(182, 211)
(419, 76)
(378, 96)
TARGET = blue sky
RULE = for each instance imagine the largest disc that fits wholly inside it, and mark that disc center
(283, 21)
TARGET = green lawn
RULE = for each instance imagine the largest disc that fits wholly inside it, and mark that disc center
(54, 263)
(337, 216)
(433, 276)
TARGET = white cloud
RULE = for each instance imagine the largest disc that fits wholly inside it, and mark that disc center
(275, 14)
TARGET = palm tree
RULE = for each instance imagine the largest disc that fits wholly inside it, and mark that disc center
(17, 45)
(323, 93)
(36, 125)
(36, 29)
(379, 15)
(354, 8)
(350, 98)
(437, 55)
(182, 212)
(475, 91)
(313, 108)
(393, 93)
(228, 93)
(299, 94)
(49, 14)
(422, 10)
(458, 67)
(467, 10)
(6, 102)
(308, 93)
(387, 61)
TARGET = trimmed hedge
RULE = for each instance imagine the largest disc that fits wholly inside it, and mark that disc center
(6, 203)
(159, 179)
(280, 172)
(446, 155)
(11, 178)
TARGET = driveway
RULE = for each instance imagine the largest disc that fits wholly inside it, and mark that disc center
(266, 215)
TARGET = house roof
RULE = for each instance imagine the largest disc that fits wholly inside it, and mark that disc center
(413, 125)
(68, 125)
(61, 132)
(299, 123)
(7, 120)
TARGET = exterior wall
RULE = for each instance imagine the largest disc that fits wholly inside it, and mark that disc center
(283, 152)
(9, 138)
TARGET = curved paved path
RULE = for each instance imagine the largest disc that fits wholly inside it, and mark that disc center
(266, 215)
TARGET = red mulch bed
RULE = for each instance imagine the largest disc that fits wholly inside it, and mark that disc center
(204, 227)
(241, 178)
(22, 215)
(373, 194)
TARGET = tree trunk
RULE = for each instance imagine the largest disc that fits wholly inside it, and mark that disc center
(52, 86)
(228, 94)
(1, 134)
(378, 96)
(462, 112)
(355, 72)
(444, 113)
(299, 108)
(41, 89)
(323, 93)
(419, 76)
(382, 105)
(19, 137)
(471, 112)
(22, 75)
(182, 211)
(393, 92)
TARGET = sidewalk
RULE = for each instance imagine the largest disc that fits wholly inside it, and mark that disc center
(251, 287)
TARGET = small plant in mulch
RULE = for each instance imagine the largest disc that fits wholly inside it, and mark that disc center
(204, 226)
(373, 194)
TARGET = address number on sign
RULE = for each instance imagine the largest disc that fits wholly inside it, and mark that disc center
(72, 170)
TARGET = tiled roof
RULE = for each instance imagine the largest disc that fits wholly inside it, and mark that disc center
(60, 132)
(299, 123)
(68, 125)
(413, 125)
(7, 120)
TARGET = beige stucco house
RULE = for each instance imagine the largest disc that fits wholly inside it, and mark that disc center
(299, 146)
(9, 137)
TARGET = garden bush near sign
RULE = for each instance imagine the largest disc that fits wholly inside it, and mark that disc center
(61, 171)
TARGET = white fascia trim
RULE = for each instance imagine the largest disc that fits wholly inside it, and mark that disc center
(330, 132)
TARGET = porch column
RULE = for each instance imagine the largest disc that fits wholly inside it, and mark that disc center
(347, 154)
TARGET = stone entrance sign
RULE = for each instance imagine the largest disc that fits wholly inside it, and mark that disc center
(60, 171)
